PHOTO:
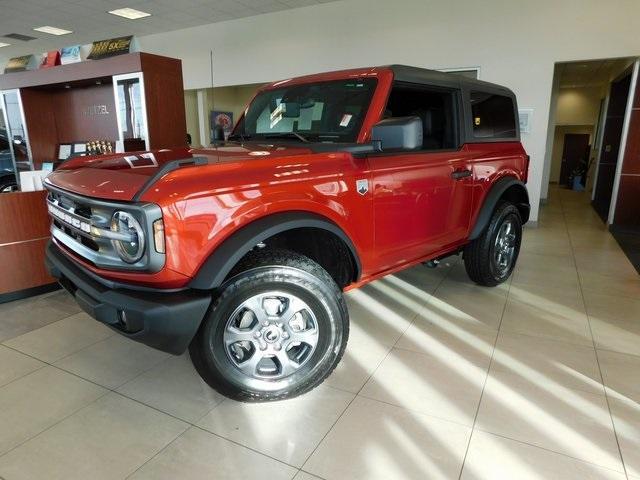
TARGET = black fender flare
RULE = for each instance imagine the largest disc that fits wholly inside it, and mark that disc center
(492, 199)
(216, 268)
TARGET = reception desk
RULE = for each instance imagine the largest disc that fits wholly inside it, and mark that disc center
(24, 232)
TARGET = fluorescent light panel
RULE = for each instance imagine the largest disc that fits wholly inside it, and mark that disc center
(53, 30)
(130, 13)
(4, 44)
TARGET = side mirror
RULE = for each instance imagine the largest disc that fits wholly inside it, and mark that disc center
(401, 133)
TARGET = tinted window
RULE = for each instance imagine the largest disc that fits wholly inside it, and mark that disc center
(493, 116)
(436, 109)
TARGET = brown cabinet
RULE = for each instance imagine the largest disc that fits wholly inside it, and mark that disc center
(135, 101)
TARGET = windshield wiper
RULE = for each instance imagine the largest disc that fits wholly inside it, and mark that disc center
(287, 135)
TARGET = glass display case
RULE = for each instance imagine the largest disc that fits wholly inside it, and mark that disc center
(15, 154)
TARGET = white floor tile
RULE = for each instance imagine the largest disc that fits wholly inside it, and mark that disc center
(288, 430)
(491, 457)
(108, 439)
(446, 383)
(37, 401)
(571, 422)
(174, 387)
(62, 338)
(112, 362)
(14, 365)
(548, 363)
(198, 454)
(375, 441)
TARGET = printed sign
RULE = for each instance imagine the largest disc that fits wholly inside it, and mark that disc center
(110, 48)
(20, 64)
(51, 59)
(70, 55)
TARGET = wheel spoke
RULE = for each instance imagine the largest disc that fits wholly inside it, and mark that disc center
(255, 305)
(310, 337)
(287, 366)
(250, 365)
(295, 305)
(234, 335)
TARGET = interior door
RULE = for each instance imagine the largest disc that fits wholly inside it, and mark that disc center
(610, 146)
(575, 150)
(422, 204)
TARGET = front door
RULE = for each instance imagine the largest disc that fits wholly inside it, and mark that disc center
(422, 204)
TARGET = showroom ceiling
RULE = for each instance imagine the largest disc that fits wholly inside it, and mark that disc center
(593, 73)
(89, 20)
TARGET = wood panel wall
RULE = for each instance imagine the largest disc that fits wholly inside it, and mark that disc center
(24, 233)
(164, 92)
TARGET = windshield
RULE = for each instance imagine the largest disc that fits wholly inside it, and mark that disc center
(320, 112)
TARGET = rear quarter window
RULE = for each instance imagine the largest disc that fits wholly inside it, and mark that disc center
(493, 116)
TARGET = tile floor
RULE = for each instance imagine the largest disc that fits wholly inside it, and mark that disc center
(536, 379)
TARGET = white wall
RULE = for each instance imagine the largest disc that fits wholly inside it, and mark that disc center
(515, 43)
(579, 106)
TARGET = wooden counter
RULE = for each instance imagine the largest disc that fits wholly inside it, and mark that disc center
(24, 232)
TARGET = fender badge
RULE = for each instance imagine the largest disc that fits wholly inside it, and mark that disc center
(362, 186)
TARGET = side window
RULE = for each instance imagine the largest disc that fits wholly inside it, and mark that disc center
(493, 115)
(436, 108)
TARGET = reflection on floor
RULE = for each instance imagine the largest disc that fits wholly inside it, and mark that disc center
(536, 379)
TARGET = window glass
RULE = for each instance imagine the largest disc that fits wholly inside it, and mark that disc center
(129, 102)
(493, 116)
(330, 111)
(14, 132)
(436, 109)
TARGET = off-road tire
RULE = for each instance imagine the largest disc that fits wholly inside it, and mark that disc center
(266, 271)
(479, 258)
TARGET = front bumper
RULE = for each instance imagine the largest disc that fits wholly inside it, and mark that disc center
(166, 321)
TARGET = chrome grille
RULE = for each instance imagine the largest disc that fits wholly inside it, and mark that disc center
(82, 224)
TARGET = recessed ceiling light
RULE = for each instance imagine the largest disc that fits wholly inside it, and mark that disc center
(53, 30)
(130, 13)
(4, 44)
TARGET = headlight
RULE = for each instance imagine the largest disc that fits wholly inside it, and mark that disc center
(129, 250)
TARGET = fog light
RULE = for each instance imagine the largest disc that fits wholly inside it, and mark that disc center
(158, 235)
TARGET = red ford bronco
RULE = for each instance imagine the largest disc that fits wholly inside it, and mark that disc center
(240, 252)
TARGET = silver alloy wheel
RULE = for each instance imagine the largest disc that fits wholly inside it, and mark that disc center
(504, 247)
(271, 335)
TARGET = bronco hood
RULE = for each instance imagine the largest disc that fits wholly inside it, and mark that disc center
(124, 176)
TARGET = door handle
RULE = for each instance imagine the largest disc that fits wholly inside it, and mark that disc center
(460, 174)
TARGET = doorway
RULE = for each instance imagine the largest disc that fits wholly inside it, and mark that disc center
(580, 107)
(575, 157)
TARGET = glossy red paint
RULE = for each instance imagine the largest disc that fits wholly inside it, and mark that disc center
(203, 205)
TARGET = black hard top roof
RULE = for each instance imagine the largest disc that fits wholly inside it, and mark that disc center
(405, 73)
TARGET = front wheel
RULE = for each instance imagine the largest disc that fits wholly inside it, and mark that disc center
(277, 329)
(491, 258)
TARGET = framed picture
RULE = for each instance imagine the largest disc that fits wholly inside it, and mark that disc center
(223, 119)
(64, 151)
(525, 115)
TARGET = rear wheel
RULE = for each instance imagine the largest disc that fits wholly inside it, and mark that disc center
(491, 258)
(277, 330)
